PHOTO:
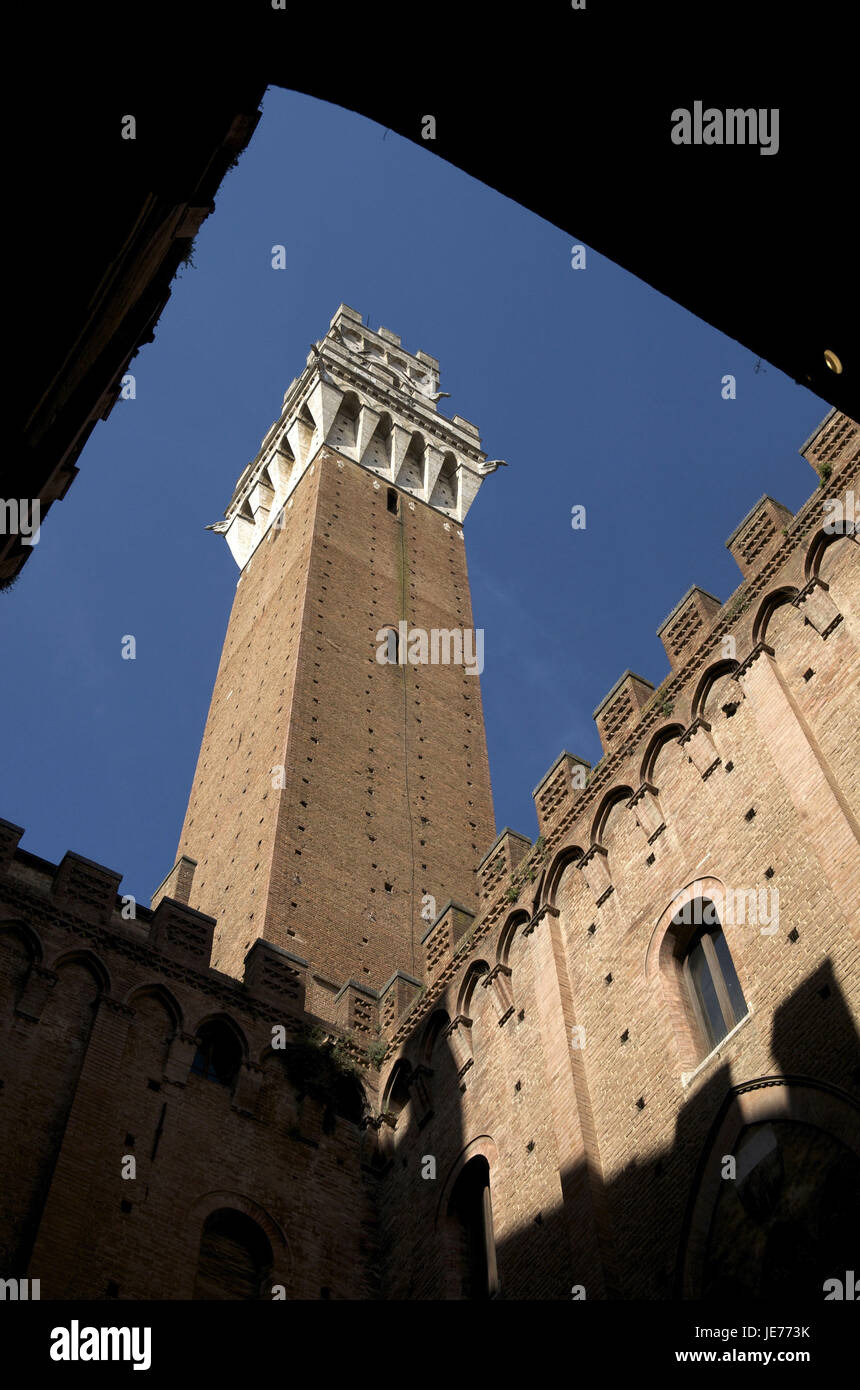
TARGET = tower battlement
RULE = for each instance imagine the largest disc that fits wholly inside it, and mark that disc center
(363, 394)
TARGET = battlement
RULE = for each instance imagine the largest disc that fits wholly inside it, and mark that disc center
(174, 938)
(780, 554)
(364, 395)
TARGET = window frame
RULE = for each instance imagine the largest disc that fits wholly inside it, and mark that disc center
(704, 937)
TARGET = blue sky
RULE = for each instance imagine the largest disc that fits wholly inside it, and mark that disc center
(596, 390)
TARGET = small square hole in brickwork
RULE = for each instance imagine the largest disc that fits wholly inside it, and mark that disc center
(129, 1141)
(530, 1146)
(807, 675)
(592, 929)
(794, 934)
(518, 1086)
(125, 1206)
(521, 1015)
(388, 888)
(729, 766)
(730, 708)
(112, 1290)
(650, 859)
(750, 813)
(154, 1085)
(640, 1104)
(768, 873)
(609, 978)
(625, 1035)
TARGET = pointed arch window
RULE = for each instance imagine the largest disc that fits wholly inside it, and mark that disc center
(235, 1258)
(218, 1056)
(712, 982)
(471, 1214)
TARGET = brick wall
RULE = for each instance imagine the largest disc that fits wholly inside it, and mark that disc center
(387, 793)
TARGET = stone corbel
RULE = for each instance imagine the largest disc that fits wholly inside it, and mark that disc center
(182, 1051)
(594, 866)
(817, 607)
(433, 460)
(498, 982)
(760, 649)
(700, 747)
(459, 1035)
(323, 404)
(647, 811)
(247, 1088)
(547, 910)
(400, 440)
(419, 1093)
(38, 987)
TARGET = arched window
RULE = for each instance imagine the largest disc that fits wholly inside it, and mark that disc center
(713, 986)
(235, 1260)
(397, 1096)
(471, 1215)
(219, 1055)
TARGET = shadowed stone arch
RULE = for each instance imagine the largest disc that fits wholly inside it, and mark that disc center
(193, 1227)
(768, 607)
(16, 926)
(485, 1147)
(707, 681)
(395, 1093)
(515, 923)
(438, 1021)
(819, 544)
(763, 1101)
(566, 856)
(474, 973)
(656, 743)
(607, 805)
(162, 995)
(20, 970)
(89, 961)
(224, 1020)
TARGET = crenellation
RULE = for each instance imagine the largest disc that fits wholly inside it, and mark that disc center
(284, 1041)
(78, 879)
(687, 624)
(760, 534)
(559, 787)
(618, 712)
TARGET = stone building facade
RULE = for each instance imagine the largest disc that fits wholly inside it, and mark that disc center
(361, 1047)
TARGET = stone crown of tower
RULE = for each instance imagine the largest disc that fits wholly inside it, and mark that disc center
(364, 395)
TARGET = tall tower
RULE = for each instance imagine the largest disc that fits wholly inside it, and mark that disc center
(342, 789)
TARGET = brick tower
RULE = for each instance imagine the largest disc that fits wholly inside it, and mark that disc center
(342, 793)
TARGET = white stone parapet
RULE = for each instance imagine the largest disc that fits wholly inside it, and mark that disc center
(364, 396)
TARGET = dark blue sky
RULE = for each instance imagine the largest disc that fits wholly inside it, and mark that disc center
(596, 390)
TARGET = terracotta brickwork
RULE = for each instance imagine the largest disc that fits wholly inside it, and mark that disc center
(575, 1062)
(386, 790)
(517, 1096)
(99, 1019)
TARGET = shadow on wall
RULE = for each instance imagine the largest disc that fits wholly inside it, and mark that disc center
(776, 1223)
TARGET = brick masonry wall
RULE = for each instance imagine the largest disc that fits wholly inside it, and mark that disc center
(387, 790)
(98, 1030)
(600, 1063)
(556, 1039)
